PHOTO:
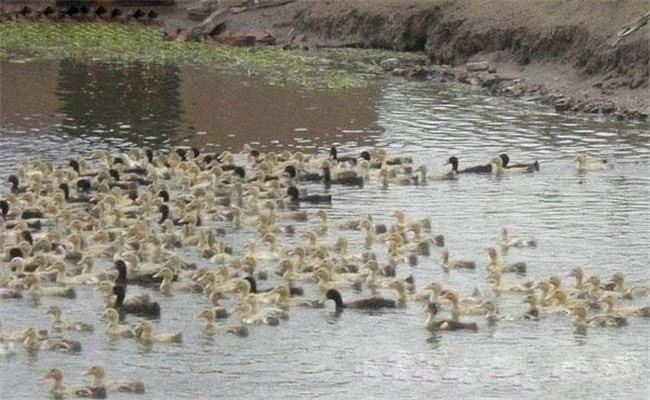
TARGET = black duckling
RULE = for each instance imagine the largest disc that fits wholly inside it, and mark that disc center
(334, 155)
(477, 169)
(371, 303)
(80, 199)
(534, 166)
(305, 176)
(294, 195)
(15, 187)
(350, 180)
(136, 305)
(293, 290)
(165, 214)
(447, 324)
(74, 164)
(142, 280)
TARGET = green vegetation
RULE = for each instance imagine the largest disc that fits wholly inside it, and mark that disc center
(113, 43)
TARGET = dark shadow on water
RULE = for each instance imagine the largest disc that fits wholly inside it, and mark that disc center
(138, 103)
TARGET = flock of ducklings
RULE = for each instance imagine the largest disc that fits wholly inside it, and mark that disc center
(142, 211)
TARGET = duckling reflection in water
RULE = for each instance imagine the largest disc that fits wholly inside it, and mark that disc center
(117, 386)
(58, 389)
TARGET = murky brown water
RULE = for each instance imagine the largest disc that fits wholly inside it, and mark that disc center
(598, 220)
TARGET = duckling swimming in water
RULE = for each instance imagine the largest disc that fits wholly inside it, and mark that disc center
(611, 309)
(35, 289)
(211, 328)
(114, 328)
(448, 264)
(33, 343)
(444, 325)
(515, 241)
(583, 165)
(148, 337)
(58, 389)
(117, 386)
(580, 319)
(372, 303)
(506, 163)
(58, 324)
(496, 264)
(478, 169)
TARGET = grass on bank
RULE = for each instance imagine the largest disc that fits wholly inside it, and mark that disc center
(114, 43)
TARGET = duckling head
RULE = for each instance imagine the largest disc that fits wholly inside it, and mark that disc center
(580, 158)
(492, 253)
(53, 373)
(54, 310)
(556, 281)
(215, 296)
(95, 371)
(164, 273)
(207, 314)
(58, 265)
(111, 315)
(530, 299)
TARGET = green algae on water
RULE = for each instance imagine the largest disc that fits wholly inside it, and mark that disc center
(113, 43)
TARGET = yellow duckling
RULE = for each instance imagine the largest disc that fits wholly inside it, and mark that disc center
(425, 177)
(64, 279)
(507, 241)
(284, 300)
(167, 286)
(324, 223)
(148, 337)
(533, 312)
(444, 325)
(114, 328)
(58, 389)
(456, 310)
(117, 386)
(499, 286)
(496, 264)
(578, 274)
(448, 264)
(35, 289)
(581, 320)
(58, 324)
(619, 287)
(583, 165)
(429, 293)
(33, 343)
(211, 328)
(611, 309)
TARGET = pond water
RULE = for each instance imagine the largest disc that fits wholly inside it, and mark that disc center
(598, 220)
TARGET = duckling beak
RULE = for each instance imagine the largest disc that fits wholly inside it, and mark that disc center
(158, 274)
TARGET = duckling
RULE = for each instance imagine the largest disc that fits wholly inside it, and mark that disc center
(35, 289)
(250, 314)
(444, 325)
(610, 309)
(168, 286)
(533, 312)
(478, 169)
(140, 305)
(324, 223)
(119, 386)
(148, 337)
(580, 319)
(448, 264)
(506, 163)
(499, 286)
(372, 303)
(283, 300)
(425, 176)
(58, 389)
(33, 343)
(114, 328)
(515, 241)
(62, 278)
(295, 198)
(325, 282)
(219, 312)
(578, 275)
(496, 264)
(583, 165)
(211, 328)
(617, 284)
(429, 293)
(58, 324)
(498, 167)
(456, 309)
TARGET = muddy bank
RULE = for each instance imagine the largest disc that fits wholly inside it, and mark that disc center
(559, 51)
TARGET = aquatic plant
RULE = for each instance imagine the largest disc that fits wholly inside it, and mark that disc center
(113, 43)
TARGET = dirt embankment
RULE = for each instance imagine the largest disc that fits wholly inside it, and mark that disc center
(561, 51)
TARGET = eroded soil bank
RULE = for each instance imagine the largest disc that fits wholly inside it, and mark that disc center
(560, 51)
